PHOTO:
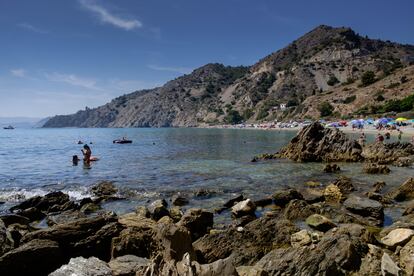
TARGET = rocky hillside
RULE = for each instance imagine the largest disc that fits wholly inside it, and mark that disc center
(286, 84)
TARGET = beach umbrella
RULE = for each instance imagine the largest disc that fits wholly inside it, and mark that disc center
(383, 121)
(401, 119)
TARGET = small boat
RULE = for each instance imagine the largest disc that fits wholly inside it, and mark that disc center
(8, 127)
(122, 141)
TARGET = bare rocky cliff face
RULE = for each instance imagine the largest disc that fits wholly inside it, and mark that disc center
(321, 61)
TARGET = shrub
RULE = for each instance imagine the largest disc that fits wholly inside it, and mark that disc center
(379, 98)
(325, 109)
(403, 79)
(263, 113)
(233, 117)
(368, 78)
(332, 81)
(349, 99)
(247, 114)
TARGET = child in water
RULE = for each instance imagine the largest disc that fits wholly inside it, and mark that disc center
(86, 151)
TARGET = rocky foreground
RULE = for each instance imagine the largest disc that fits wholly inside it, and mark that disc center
(334, 229)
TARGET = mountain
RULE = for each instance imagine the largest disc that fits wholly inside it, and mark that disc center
(289, 83)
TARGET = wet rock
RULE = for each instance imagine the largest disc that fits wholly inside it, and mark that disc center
(52, 202)
(176, 213)
(397, 237)
(301, 238)
(263, 202)
(333, 194)
(127, 265)
(32, 214)
(142, 211)
(403, 192)
(247, 246)
(104, 189)
(12, 218)
(37, 257)
(315, 143)
(242, 221)
(320, 222)
(84, 267)
(197, 221)
(230, 203)
(388, 267)
(178, 200)
(407, 257)
(283, 197)
(387, 153)
(344, 184)
(6, 240)
(298, 209)
(86, 237)
(365, 207)
(331, 168)
(17, 231)
(90, 208)
(243, 208)
(378, 186)
(64, 217)
(204, 193)
(313, 184)
(158, 209)
(372, 168)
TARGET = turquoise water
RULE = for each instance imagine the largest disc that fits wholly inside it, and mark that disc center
(159, 163)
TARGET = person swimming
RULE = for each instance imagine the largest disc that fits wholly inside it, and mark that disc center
(86, 151)
(75, 160)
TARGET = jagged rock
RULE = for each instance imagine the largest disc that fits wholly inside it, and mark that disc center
(17, 231)
(86, 237)
(403, 162)
(301, 238)
(6, 240)
(371, 263)
(409, 209)
(388, 266)
(320, 222)
(243, 208)
(242, 221)
(104, 189)
(197, 221)
(37, 257)
(158, 209)
(90, 208)
(331, 168)
(52, 202)
(142, 211)
(175, 241)
(344, 184)
(364, 234)
(372, 168)
(313, 184)
(397, 237)
(387, 153)
(12, 218)
(250, 271)
(365, 207)
(403, 192)
(315, 143)
(283, 197)
(127, 265)
(248, 246)
(166, 220)
(230, 203)
(407, 257)
(204, 193)
(176, 213)
(84, 267)
(263, 202)
(32, 214)
(298, 209)
(378, 186)
(178, 200)
(333, 194)
(64, 217)
(313, 195)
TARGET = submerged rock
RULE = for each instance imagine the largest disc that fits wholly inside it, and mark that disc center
(104, 189)
(331, 168)
(372, 168)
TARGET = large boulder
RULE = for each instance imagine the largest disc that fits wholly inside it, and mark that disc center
(197, 221)
(179, 200)
(127, 265)
(243, 208)
(365, 207)
(397, 237)
(104, 189)
(372, 168)
(298, 210)
(284, 196)
(158, 209)
(248, 245)
(6, 240)
(387, 153)
(174, 242)
(320, 222)
(403, 192)
(37, 257)
(84, 267)
(315, 143)
(389, 267)
(52, 202)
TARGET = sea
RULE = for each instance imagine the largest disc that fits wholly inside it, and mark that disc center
(160, 163)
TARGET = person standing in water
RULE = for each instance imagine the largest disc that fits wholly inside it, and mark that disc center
(86, 151)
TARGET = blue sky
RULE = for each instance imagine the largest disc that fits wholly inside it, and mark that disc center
(57, 57)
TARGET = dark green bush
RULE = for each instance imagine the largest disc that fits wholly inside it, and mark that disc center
(325, 109)
(233, 117)
(332, 81)
(368, 78)
(349, 99)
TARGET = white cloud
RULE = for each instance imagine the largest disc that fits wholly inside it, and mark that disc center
(32, 28)
(181, 70)
(106, 16)
(72, 80)
(20, 73)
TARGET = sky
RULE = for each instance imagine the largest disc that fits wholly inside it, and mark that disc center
(57, 57)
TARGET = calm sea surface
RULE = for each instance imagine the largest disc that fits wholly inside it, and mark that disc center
(159, 163)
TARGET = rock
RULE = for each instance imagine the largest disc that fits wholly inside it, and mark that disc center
(263, 202)
(243, 208)
(104, 189)
(127, 265)
(32, 214)
(407, 257)
(387, 153)
(364, 234)
(301, 238)
(372, 168)
(165, 220)
(64, 217)
(142, 211)
(89, 208)
(409, 209)
(371, 263)
(403, 192)
(12, 218)
(52, 202)
(315, 143)
(247, 246)
(298, 209)
(365, 207)
(84, 267)
(231, 202)
(333, 194)
(319, 222)
(178, 200)
(283, 197)
(6, 240)
(37, 257)
(378, 186)
(204, 193)
(403, 162)
(175, 241)
(344, 184)
(397, 237)
(313, 195)
(242, 221)
(197, 221)
(388, 267)
(158, 209)
(217, 268)
(86, 237)
(331, 168)
(250, 271)
(313, 184)
(17, 231)
(176, 213)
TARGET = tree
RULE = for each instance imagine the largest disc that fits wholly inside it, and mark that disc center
(233, 117)
(325, 109)
(332, 81)
(368, 78)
